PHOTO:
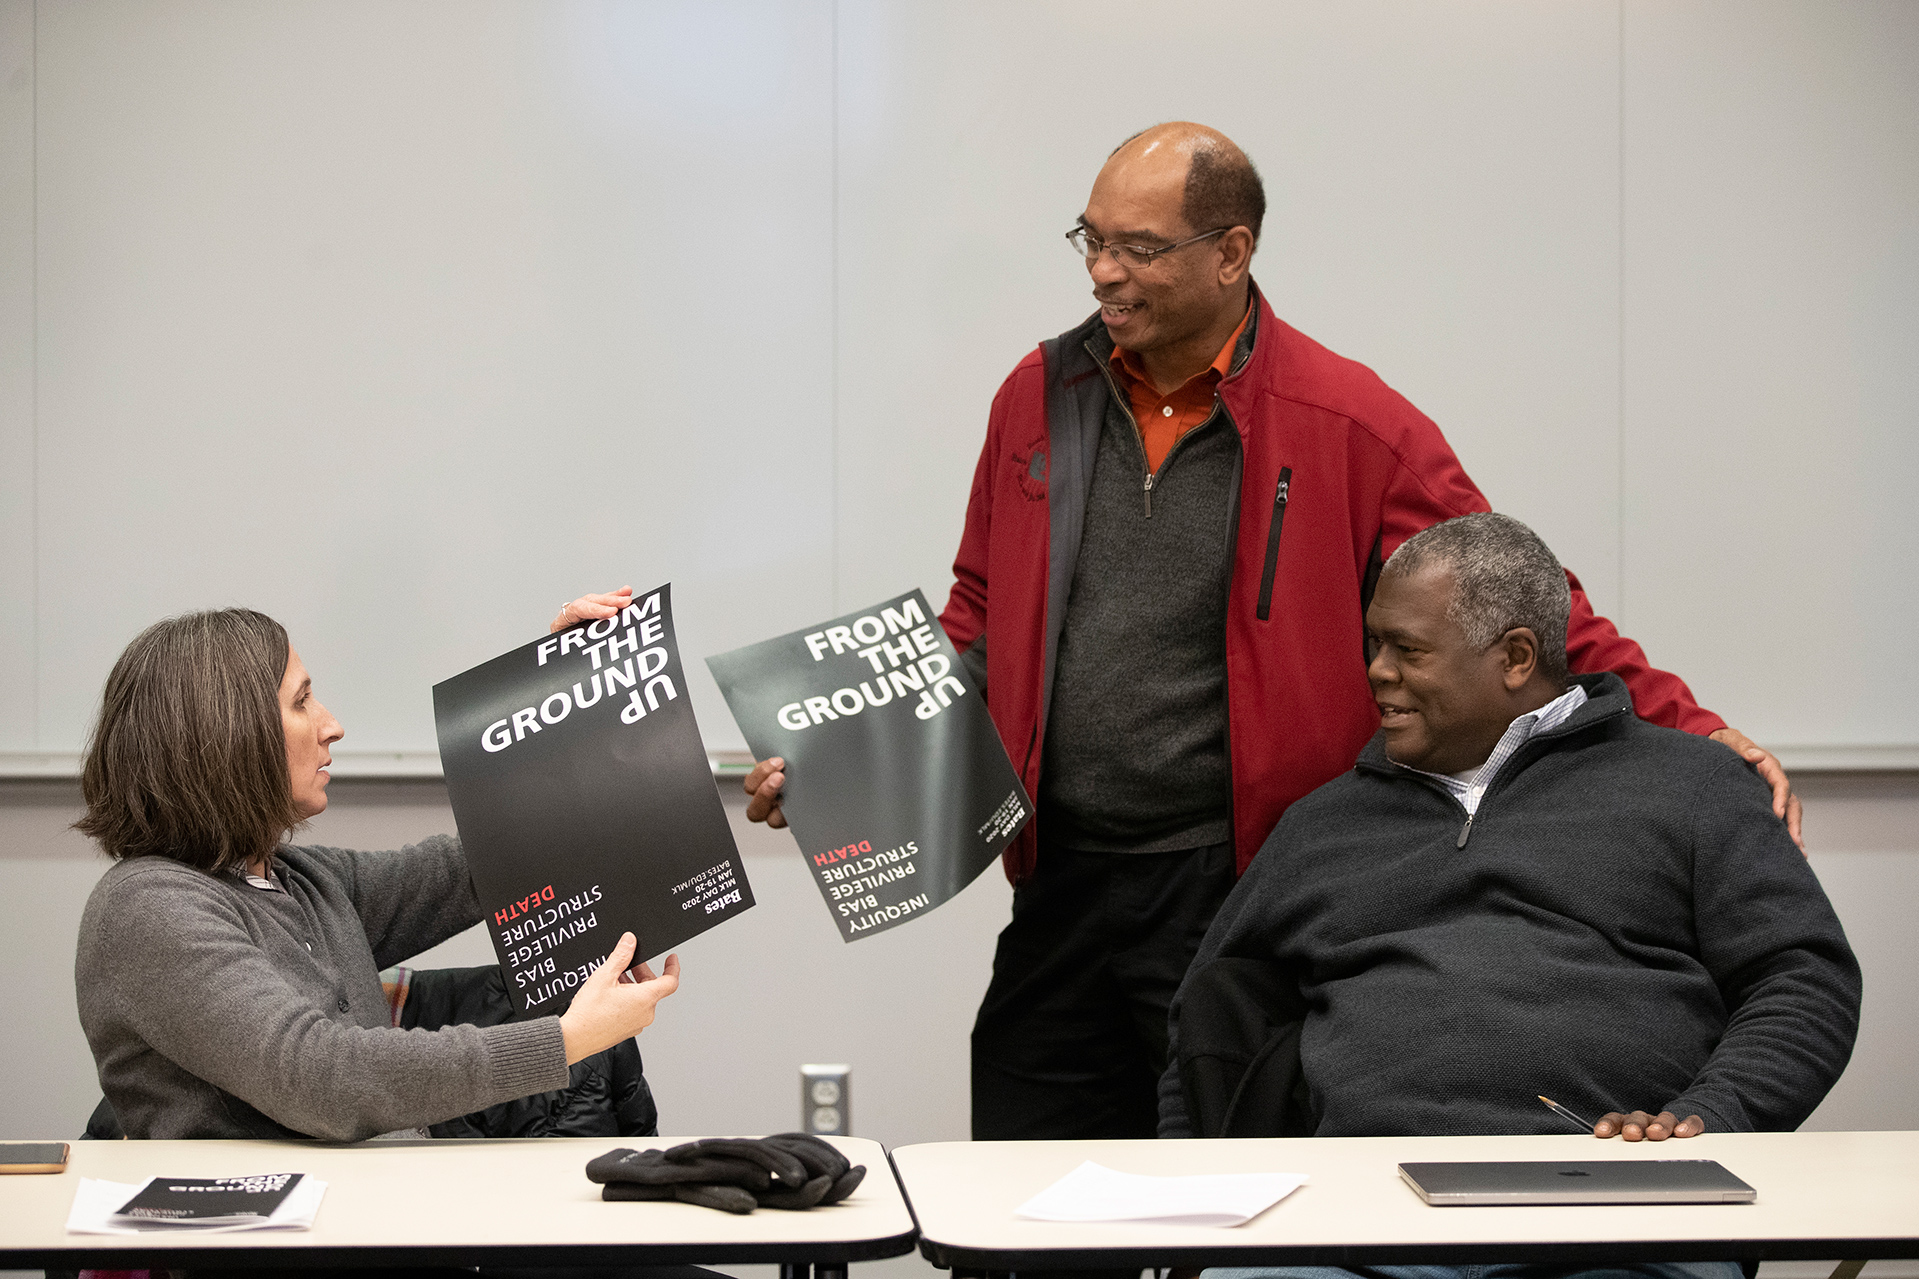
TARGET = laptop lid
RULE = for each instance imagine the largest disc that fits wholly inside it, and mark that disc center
(1604, 1181)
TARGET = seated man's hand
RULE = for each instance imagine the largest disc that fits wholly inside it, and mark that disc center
(1785, 804)
(763, 785)
(589, 608)
(1640, 1126)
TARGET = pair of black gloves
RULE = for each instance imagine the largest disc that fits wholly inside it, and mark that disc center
(733, 1174)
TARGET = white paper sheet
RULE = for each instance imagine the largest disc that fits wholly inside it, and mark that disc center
(1093, 1193)
(95, 1201)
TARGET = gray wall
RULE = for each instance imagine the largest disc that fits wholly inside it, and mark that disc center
(405, 320)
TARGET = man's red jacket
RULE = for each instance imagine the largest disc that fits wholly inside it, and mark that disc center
(1337, 469)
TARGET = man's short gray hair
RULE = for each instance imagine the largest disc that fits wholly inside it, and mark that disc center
(1503, 577)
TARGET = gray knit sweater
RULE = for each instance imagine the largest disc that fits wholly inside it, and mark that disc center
(1625, 926)
(218, 1009)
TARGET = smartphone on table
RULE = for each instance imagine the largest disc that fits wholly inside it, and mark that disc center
(33, 1156)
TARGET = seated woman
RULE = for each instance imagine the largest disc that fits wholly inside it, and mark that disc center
(228, 982)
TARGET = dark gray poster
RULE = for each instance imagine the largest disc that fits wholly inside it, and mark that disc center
(897, 787)
(585, 800)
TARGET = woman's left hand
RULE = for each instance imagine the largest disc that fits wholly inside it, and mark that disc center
(615, 1003)
(588, 607)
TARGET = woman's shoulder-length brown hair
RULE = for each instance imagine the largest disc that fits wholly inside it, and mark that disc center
(188, 760)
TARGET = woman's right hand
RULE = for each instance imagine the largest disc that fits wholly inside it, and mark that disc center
(608, 1009)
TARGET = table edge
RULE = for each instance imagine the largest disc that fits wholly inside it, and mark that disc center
(87, 1252)
(962, 1258)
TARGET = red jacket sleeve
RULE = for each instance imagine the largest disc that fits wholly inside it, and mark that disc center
(1429, 485)
(1660, 697)
(964, 616)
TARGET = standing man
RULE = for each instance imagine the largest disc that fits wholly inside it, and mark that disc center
(1171, 541)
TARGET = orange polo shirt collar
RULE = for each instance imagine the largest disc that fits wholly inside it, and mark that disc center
(1163, 419)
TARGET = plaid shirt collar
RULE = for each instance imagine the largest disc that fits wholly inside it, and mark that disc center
(1470, 786)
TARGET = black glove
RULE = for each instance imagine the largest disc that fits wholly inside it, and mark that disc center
(806, 1196)
(653, 1168)
(659, 1168)
(821, 1159)
(793, 1170)
(783, 1167)
(725, 1198)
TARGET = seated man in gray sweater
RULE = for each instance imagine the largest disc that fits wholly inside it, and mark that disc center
(1520, 888)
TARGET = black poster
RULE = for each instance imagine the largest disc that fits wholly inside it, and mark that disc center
(585, 800)
(897, 787)
(208, 1201)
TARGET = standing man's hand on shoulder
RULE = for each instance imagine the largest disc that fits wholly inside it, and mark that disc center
(1785, 804)
(590, 608)
(763, 786)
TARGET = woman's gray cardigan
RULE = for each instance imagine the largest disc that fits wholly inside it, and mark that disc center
(218, 1009)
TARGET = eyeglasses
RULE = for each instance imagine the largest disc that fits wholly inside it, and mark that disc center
(1130, 256)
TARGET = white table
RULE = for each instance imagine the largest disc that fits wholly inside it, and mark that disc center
(448, 1203)
(1821, 1195)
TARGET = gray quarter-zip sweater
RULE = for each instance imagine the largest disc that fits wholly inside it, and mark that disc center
(218, 1009)
(1135, 755)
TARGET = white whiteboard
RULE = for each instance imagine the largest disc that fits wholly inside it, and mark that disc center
(404, 321)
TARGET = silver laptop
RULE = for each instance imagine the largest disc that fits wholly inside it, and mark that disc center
(1605, 1181)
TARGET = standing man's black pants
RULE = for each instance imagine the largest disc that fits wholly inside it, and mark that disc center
(1071, 1037)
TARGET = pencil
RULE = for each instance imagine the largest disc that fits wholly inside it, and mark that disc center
(1566, 1114)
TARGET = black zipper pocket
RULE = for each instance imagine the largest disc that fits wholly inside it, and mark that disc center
(1280, 493)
